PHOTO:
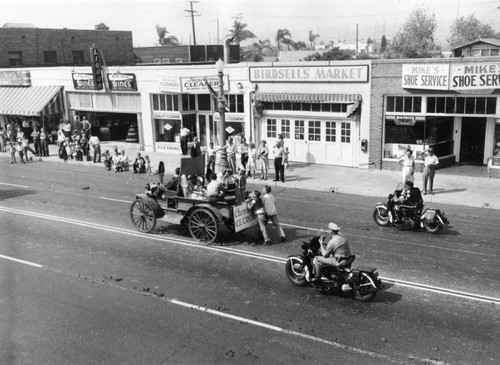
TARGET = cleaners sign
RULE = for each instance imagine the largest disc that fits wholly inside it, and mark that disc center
(475, 76)
(426, 76)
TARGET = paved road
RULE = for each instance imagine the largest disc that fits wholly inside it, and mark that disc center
(106, 294)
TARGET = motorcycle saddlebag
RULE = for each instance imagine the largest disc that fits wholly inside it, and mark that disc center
(356, 273)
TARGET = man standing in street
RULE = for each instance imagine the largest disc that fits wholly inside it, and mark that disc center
(271, 212)
(86, 126)
(184, 140)
(430, 163)
(95, 143)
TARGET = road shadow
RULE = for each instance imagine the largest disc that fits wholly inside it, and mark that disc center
(14, 193)
(386, 296)
(444, 191)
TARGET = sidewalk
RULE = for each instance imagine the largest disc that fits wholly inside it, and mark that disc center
(468, 191)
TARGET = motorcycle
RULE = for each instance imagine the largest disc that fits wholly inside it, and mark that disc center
(360, 283)
(431, 220)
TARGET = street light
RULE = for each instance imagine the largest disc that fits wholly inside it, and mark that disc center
(223, 164)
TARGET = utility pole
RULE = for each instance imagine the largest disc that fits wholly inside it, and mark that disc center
(192, 19)
(356, 38)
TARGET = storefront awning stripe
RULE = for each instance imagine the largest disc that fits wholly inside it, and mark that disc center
(276, 97)
(29, 101)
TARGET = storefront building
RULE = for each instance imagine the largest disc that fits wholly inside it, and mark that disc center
(451, 105)
(29, 103)
(320, 108)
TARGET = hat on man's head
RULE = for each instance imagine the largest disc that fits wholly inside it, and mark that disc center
(333, 227)
(409, 183)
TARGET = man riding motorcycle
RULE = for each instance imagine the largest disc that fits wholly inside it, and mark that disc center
(412, 201)
(336, 253)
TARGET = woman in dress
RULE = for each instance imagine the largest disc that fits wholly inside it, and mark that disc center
(408, 163)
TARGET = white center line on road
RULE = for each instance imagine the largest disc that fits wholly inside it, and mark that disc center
(233, 251)
(16, 185)
(20, 261)
(115, 200)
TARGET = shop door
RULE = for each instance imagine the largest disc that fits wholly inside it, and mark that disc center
(202, 124)
(472, 140)
(298, 143)
(331, 142)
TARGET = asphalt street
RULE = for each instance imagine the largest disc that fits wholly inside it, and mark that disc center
(90, 289)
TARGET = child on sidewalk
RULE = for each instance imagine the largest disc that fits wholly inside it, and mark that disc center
(149, 171)
(285, 157)
(12, 151)
(20, 151)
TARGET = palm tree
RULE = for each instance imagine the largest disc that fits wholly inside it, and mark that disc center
(259, 48)
(312, 38)
(299, 45)
(163, 40)
(239, 33)
(283, 36)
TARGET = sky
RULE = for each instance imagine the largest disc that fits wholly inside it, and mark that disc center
(333, 20)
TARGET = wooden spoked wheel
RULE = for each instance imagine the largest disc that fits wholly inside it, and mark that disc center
(142, 216)
(203, 225)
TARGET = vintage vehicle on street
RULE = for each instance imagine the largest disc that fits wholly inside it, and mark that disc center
(203, 218)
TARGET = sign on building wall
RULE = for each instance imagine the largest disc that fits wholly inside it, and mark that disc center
(352, 73)
(475, 76)
(122, 82)
(15, 78)
(230, 117)
(191, 85)
(169, 85)
(162, 114)
(425, 76)
(83, 81)
(95, 56)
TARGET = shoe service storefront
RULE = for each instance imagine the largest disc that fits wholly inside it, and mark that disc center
(320, 108)
(451, 105)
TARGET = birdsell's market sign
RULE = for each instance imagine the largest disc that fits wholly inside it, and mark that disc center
(351, 73)
(462, 76)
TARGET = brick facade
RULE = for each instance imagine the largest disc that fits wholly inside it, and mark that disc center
(63, 47)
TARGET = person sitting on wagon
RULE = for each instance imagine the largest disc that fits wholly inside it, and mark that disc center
(173, 183)
(213, 189)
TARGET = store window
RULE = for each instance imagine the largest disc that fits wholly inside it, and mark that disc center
(78, 57)
(188, 102)
(285, 128)
(299, 129)
(307, 107)
(271, 128)
(168, 102)
(433, 131)
(15, 58)
(314, 130)
(401, 104)
(235, 103)
(345, 132)
(167, 129)
(204, 102)
(331, 132)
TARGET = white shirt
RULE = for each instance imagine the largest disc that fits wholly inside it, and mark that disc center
(431, 160)
(184, 132)
(269, 204)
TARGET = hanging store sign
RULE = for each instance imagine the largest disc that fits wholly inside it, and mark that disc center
(340, 74)
(15, 78)
(162, 114)
(230, 117)
(405, 120)
(122, 82)
(425, 76)
(169, 85)
(95, 56)
(475, 76)
(83, 81)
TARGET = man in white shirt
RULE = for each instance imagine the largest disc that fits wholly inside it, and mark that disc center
(271, 212)
(430, 163)
(184, 140)
(95, 143)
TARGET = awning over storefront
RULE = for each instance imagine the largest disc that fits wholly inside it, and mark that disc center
(307, 97)
(30, 101)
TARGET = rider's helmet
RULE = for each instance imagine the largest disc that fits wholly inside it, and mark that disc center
(409, 183)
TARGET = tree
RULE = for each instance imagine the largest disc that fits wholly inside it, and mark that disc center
(259, 49)
(299, 45)
(416, 38)
(283, 36)
(101, 26)
(163, 40)
(333, 54)
(468, 29)
(383, 44)
(239, 33)
(312, 38)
